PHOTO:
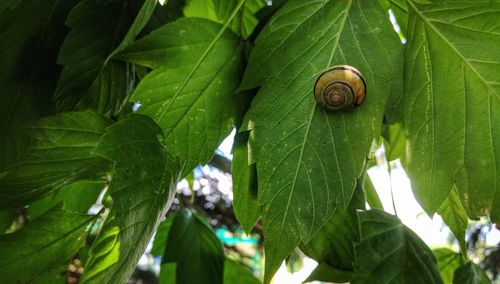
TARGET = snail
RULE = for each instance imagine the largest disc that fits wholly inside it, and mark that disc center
(340, 87)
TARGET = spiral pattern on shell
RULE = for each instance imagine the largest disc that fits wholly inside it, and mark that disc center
(340, 87)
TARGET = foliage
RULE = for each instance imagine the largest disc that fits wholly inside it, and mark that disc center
(123, 99)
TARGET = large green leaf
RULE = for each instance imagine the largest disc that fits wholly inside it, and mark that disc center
(452, 103)
(59, 154)
(308, 159)
(98, 30)
(194, 247)
(45, 244)
(142, 189)
(245, 203)
(220, 11)
(29, 37)
(448, 261)
(389, 252)
(191, 91)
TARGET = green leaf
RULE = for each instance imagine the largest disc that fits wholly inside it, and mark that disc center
(161, 236)
(389, 252)
(308, 159)
(194, 247)
(395, 142)
(76, 197)
(324, 272)
(235, 273)
(191, 91)
(448, 261)
(59, 154)
(455, 217)
(42, 245)
(220, 11)
(371, 194)
(29, 35)
(142, 189)
(470, 273)
(452, 103)
(245, 203)
(167, 273)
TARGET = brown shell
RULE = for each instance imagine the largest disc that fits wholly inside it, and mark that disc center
(340, 87)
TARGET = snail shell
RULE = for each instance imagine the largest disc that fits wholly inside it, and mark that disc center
(340, 87)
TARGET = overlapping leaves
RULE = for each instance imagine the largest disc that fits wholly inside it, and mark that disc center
(59, 154)
(142, 190)
(191, 91)
(29, 38)
(98, 30)
(308, 160)
(41, 246)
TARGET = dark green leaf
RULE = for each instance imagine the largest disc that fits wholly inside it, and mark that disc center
(139, 23)
(142, 189)
(96, 27)
(164, 14)
(8, 4)
(77, 197)
(45, 244)
(308, 159)
(99, 29)
(29, 37)
(324, 272)
(455, 217)
(161, 236)
(389, 252)
(448, 261)
(194, 247)
(452, 103)
(220, 11)
(470, 273)
(59, 154)
(191, 91)
(245, 203)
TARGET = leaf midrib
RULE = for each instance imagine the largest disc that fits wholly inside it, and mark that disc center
(201, 59)
(341, 29)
